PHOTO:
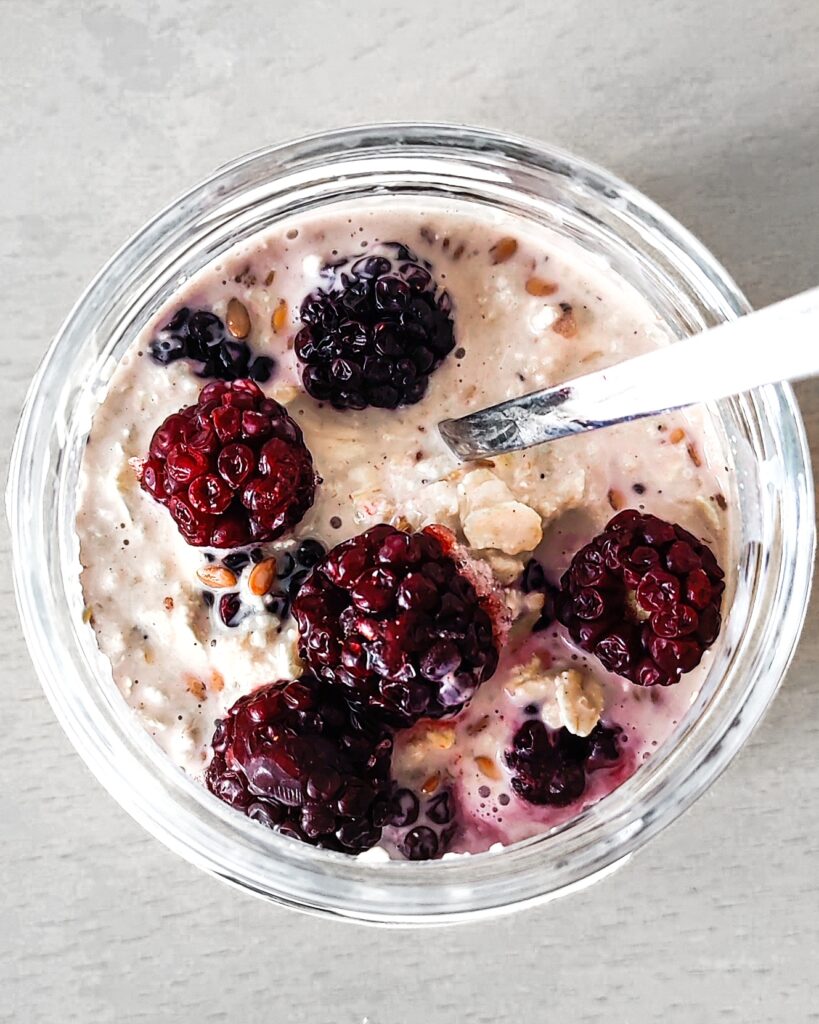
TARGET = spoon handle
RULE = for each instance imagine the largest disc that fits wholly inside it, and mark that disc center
(779, 342)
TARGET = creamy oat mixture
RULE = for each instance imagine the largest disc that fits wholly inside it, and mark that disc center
(529, 312)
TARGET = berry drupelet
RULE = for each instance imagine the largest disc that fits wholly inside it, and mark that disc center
(389, 617)
(201, 336)
(231, 469)
(643, 597)
(533, 581)
(292, 756)
(549, 766)
(421, 826)
(374, 331)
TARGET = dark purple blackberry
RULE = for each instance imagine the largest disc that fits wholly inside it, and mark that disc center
(391, 619)
(374, 331)
(292, 756)
(644, 597)
(202, 337)
(549, 766)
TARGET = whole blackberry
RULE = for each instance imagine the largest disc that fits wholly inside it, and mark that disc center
(374, 331)
(390, 617)
(549, 766)
(643, 597)
(292, 756)
(231, 469)
(201, 336)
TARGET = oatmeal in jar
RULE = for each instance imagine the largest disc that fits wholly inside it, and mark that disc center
(317, 611)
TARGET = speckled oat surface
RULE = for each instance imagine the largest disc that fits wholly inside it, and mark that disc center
(112, 108)
(179, 665)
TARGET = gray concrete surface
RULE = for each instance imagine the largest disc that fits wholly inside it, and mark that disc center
(107, 110)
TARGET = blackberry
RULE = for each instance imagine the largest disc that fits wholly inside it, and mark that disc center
(644, 597)
(549, 766)
(389, 617)
(292, 756)
(374, 330)
(201, 336)
(231, 469)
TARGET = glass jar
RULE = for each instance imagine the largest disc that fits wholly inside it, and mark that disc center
(772, 546)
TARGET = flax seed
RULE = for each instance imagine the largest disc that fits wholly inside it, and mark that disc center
(237, 319)
(262, 576)
(218, 577)
(504, 249)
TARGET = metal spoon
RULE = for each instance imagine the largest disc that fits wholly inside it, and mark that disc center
(779, 342)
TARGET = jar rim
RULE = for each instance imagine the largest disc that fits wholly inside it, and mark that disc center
(179, 811)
